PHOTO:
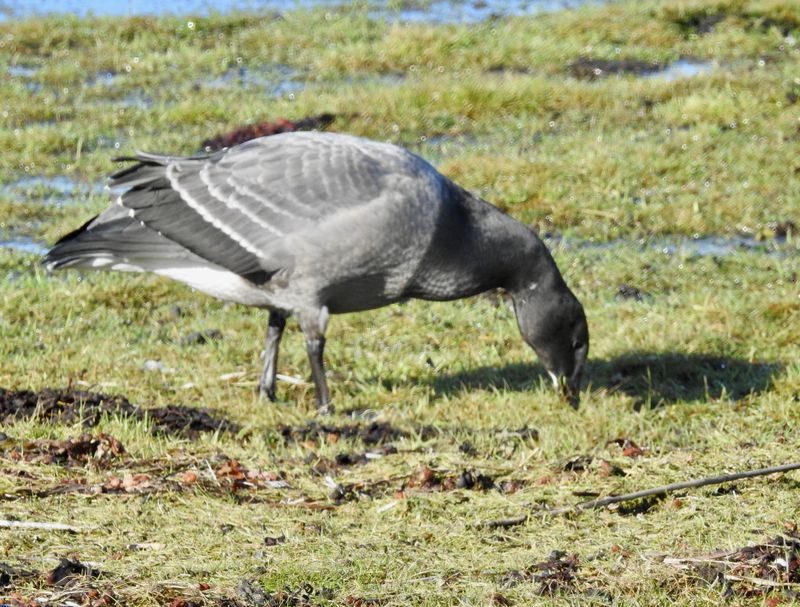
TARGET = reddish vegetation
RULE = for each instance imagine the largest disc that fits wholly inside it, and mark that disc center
(261, 129)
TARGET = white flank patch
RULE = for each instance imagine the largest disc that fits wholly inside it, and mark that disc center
(111, 263)
(215, 281)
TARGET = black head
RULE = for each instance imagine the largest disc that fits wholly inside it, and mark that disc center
(553, 323)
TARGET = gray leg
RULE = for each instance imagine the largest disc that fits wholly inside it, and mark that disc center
(266, 386)
(313, 323)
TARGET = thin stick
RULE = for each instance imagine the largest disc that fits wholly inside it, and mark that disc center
(505, 522)
(615, 499)
(702, 482)
(35, 525)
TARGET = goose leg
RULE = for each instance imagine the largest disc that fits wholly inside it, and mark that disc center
(266, 386)
(313, 325)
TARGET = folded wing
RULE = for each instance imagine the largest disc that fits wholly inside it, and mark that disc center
(233, 208)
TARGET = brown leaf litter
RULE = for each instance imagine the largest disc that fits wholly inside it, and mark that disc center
(425, 479)
(228, 476)
(9, 574)
(81, 584)
(428, 479)
(223, 476)
(70, 578)
(305, 596)
(629, 448)
(770, 566)
(325, 465)
(68, 406)
(559, 573)
(97, 450)
(374, 433)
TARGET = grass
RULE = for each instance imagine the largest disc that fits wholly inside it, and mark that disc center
(703, 372)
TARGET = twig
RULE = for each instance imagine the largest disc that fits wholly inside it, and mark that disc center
(761, 582)
(289, 379)
(702, 482)
(212, 473)
(615, 499)
(505, 522)
(35, 525)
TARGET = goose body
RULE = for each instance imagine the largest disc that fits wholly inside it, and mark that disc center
(308, 224)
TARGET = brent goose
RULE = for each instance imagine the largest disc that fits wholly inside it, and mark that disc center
(311, 224)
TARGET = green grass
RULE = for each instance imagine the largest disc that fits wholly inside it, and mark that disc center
(704, 372)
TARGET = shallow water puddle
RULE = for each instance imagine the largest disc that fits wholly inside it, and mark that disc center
(474, 11)
(277, 80)
(57, 191)
(26, 73)
(587, 68)
(706, 246)
(103, 79)
(682, 68)
(24, 244)
(137, 100)
(437, 11)
(22, 71)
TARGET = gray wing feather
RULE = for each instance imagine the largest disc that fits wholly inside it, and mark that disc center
(164, 210)
(114, 235)
(236, 207)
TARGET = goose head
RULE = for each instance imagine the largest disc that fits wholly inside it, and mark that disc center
(553, 323)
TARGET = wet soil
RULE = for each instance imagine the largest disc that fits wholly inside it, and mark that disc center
(68, 406)
(703, 20)
(700, 22)
(587, 68)
(65, 406)
(187, 421)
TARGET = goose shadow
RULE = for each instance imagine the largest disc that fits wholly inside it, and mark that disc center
(650, 378)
